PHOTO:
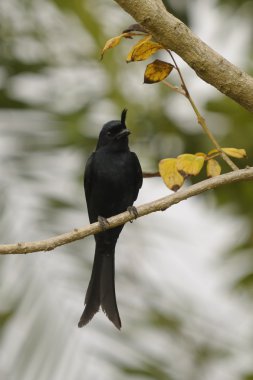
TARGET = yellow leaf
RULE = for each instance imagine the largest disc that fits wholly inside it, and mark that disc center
(213, 168)
(189, 164)
(213, 152)
(112, 42)
(143, 49)
(171, 177)
(236, 153)
(200, 154)
(129, 56)
(232, 152)
(157, 71)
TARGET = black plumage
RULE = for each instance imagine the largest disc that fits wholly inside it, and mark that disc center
(112, 180)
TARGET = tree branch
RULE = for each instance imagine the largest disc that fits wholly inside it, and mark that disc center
(158, 205)
(208, 64)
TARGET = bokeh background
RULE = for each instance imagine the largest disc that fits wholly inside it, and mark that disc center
(184, 278)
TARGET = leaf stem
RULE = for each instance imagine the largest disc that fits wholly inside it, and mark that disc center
(174, 88)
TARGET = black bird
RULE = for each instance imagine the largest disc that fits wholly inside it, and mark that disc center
(112, 180)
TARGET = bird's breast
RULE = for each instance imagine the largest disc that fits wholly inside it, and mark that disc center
(113, 184)
(113, 169)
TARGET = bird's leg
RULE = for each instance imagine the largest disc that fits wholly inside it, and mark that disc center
(103, 222)
(133, 212)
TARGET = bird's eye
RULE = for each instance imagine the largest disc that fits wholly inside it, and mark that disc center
(109, 133)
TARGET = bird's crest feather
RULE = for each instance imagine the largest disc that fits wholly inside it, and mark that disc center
(123, 117)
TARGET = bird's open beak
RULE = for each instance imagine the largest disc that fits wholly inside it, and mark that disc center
(125, 132)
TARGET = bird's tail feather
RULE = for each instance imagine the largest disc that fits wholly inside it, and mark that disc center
(101, 289)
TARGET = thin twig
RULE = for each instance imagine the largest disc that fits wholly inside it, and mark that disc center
(200, 118)
(157, 205)
(150, 175)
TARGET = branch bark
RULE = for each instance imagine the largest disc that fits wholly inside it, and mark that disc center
(207, 63)
(157, 205)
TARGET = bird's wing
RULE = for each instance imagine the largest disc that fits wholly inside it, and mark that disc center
(138, 174)
(88, 177)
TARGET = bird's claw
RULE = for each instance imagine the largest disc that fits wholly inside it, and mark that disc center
(133, 212)
(103, 222)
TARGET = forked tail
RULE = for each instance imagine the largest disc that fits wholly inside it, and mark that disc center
(101, 289)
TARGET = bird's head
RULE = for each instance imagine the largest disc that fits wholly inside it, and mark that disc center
(114, 133)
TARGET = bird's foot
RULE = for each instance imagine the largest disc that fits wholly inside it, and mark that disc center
(103, 222)
(133, 212)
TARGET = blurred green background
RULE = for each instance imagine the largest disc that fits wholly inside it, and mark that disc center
(184, 278)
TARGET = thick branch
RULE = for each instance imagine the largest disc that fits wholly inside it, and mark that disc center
(158, 205)
(176, 36)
